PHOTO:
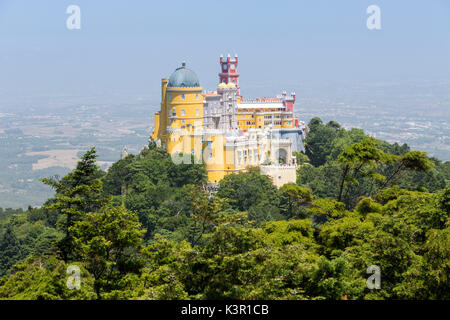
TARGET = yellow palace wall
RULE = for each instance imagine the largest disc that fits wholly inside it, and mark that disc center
(260, 119)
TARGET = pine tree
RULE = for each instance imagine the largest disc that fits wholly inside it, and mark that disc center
(10, 249)
(109, 245)
(78, 193)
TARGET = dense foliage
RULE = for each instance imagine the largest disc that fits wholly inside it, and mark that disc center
(148, 229)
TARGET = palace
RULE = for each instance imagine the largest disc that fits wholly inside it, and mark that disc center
(225, 131)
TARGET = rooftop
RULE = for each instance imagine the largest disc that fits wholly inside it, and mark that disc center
(183, 77)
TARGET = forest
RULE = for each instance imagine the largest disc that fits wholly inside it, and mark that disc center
(148, 229)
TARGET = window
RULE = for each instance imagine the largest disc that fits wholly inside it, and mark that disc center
(182, 121)
(183, 112)
(196, 96)
(183, 97)
(169, 97)
(197, 112)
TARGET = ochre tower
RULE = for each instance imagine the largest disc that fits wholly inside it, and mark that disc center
(181, 109)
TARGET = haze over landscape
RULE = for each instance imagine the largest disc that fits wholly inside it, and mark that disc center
(62, 91)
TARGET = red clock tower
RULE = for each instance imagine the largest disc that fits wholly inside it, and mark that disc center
(228, 72)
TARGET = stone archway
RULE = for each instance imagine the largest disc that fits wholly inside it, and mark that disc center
(281, 156)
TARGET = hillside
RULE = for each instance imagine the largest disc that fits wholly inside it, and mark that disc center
(147, 228)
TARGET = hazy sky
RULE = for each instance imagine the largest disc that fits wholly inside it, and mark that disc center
(128, 46)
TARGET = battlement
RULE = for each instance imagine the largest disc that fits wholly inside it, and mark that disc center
(228, 60)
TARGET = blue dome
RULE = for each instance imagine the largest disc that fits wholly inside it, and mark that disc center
(183, 77)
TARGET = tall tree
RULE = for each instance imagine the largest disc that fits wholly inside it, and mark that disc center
(297, 199)
(412, 161)
(319, 141)
(247, 189)
(10, 248)
(78, 193)
(356, 158)
(109, 245)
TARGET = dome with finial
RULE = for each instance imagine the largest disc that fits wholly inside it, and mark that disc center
(222, 85)
(183, 77)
